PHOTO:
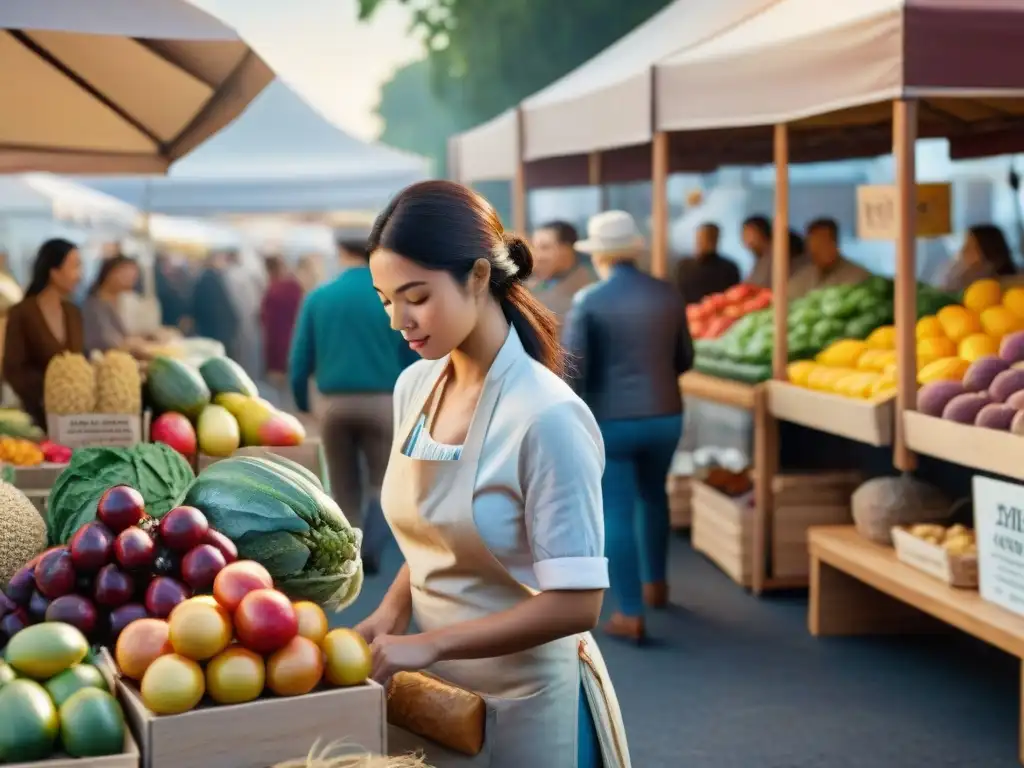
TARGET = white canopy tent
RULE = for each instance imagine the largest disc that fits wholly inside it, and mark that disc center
(280, 156)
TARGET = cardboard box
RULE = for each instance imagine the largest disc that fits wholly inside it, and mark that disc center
(98, 429)
(261, 733)
(310, 455)
(956, 570)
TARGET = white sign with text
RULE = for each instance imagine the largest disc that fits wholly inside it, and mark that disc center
(999, 526)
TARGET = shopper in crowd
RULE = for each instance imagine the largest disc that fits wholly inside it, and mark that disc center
(213, 312)
(173, 289)
(278, 313)
(44, 324)
(559, 269)
(246, 286)
(629, 343)
(101, 316)
(826, 265)
(707, 271)
(343, 341)
(757, 237)
(493, 488)
(985, 254)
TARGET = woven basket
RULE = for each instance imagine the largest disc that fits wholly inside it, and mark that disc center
(885, 502)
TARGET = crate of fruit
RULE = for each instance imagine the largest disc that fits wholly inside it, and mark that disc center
(947, 553)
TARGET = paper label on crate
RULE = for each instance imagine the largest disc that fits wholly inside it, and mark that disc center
(96, 429)
(999, 524)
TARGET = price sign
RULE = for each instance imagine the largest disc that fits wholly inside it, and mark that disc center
(999, 524)
(876, 211)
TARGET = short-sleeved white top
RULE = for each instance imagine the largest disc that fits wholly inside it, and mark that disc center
(546, 526)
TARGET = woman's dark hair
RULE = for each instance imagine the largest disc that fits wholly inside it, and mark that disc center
(760, 224)
(994, 249)
(51, 255)
(354, 247)
(445, 226)
(107, 268)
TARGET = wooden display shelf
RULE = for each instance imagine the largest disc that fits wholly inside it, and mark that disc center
(987, 450)
(721, 391)
(859, 587)
(866, 421)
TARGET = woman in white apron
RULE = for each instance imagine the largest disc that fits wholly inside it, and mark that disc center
(493, 492)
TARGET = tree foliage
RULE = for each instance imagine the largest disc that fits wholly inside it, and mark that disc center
(483, 56)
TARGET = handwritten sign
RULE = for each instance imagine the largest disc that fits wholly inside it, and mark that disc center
(999, 523)
(877, 206)
(95, 429)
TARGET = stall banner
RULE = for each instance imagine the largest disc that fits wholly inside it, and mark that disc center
(999, 524)
(877, 205)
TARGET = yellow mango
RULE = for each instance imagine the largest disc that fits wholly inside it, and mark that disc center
(1013, 300)
(882, 338)
(999, 321)
(799, 371)
(882, 389)
(959, 322)
(977, 345)
(982, 294)
(946, 369)
(876, 359)
(929, 327)
(842, 354)
(935, 348)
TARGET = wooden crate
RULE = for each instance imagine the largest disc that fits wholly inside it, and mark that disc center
(722, 530)
(679, 501)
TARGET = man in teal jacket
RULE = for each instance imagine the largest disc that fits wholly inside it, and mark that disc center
(343, 340)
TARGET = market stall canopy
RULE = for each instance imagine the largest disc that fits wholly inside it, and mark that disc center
(40, 194)
(830, 71)
(280, 156)
(117, 86)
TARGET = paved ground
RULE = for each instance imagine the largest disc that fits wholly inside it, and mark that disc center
(731, 681)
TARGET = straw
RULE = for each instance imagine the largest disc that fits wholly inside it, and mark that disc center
(341, 755)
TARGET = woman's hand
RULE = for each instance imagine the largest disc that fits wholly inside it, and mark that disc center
(384, 621)
(398, 653)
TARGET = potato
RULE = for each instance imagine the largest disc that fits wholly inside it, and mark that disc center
(958, 546)
(926, 530)
(955, 530)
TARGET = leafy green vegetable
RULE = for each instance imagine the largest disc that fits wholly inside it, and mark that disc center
(156, 471)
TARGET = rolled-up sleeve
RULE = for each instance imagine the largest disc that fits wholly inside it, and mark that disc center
(561, 467)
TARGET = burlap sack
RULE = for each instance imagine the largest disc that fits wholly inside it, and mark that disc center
(884, 502)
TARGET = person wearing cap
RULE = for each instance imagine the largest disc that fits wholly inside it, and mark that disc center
(628, 343)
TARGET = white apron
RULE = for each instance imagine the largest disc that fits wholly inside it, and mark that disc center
(531, 697)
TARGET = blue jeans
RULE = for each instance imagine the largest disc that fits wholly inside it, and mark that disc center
(638, 455)
(588, 750)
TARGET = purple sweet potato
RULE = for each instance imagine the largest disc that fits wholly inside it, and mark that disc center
(1016, 401)
(1017, 426)
(995, 416)
(933, 397)
(1011, 348)
(964, 409)
(982, 371)
(1005, 384)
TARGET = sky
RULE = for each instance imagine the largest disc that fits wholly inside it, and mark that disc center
(320, 49)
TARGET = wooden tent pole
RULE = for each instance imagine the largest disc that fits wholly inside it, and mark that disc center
(904, 140)
(780, 254)
(659, 205)
(595, 178)
(519, 196)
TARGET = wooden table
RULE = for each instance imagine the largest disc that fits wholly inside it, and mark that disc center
(859, 588)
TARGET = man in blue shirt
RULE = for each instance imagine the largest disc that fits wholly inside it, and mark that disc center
(344, 342)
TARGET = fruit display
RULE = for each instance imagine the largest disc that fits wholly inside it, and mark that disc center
(243, 641)
(69, 386)
(851, 367)
(20, 453)
(22, 534)
(53, 701)
(277, 513)
(215, 409)
(17, 423)
(118, 383)
(715, 314)
(956, 539)
(815, 321)
(156, 471)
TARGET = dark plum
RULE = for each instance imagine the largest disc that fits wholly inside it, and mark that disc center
(22, 585)
(124, 615)
(14, 622)
(114, 587)
(91, 547)
(183, 528)
(223, 543)
(6, 605)
(74, 610)
(120, 507)
(201, 565)
(134, 549)
(55, 574)
(37, 606)
(163, 595)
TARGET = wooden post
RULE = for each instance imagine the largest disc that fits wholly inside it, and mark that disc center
(519, 195)
(659, 205)
(594, 179)
(904, 140)
(780, 254)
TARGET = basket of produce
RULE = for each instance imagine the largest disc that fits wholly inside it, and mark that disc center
(949, 554)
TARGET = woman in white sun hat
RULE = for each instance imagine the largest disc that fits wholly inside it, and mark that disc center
(629, 343)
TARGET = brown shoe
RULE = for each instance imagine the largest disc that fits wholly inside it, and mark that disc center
(625, 627)
(656, 594)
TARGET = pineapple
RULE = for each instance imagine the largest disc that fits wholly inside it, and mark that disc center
(69, 386)
(118, 384)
